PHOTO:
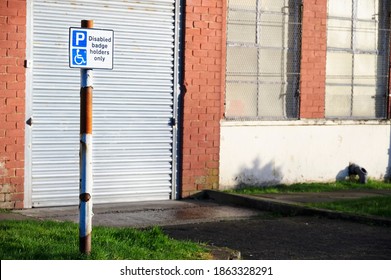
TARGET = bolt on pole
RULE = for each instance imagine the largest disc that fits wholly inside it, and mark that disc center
(86, 180)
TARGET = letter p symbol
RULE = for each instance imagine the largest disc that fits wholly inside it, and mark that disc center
(79, 38)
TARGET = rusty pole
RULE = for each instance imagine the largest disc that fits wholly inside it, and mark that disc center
(86, 180)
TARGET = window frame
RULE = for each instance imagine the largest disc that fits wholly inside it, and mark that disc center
(379, 81)
(286, 83)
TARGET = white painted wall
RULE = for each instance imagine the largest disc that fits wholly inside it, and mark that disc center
(264, 153)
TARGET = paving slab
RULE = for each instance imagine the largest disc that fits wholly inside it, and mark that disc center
(146, 214)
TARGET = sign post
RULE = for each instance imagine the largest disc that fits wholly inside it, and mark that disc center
(88, 49)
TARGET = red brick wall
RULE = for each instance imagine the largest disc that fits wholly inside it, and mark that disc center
(12, 102)
(203, 79)
(313, 59)
(203, 97)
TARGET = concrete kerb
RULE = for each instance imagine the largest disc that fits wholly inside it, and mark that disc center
(288, 208)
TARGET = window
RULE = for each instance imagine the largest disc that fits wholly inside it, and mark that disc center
(357, 59)
(263, 59)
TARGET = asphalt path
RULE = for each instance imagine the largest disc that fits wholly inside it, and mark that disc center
(289, 238)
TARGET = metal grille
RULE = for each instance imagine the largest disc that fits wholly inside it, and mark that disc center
(133, 104)
(263, 59)
(357, 59)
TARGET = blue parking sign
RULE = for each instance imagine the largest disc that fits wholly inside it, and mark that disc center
(79, 38)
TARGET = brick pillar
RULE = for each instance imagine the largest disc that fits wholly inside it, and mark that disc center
(12, 102)
(202, 100)
(313, 59)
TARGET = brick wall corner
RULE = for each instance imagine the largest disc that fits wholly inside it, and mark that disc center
(12, 102)
(203, 97)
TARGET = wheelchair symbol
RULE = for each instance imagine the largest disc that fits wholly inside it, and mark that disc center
(80, 56)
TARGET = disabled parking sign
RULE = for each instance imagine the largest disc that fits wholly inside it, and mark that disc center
(91, 48)
(79, 57)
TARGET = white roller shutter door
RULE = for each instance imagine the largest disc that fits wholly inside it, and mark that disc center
(133, 137)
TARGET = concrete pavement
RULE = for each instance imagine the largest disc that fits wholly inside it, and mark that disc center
(209, 206)
(144, 214)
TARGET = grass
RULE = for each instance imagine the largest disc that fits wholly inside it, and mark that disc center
(311, 187)
(377, 206)
(33, 240)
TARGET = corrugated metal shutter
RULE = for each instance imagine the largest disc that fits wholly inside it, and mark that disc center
(133, 104)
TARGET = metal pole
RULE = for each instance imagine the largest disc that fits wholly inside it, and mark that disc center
(86, 181)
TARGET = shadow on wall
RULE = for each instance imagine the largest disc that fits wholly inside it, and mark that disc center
(258, 175)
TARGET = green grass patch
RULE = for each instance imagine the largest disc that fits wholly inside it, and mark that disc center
(33, 240)
(312, 187)
(377, 206)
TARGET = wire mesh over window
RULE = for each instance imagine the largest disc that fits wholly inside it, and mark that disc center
(263, 59)
(357, 59)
